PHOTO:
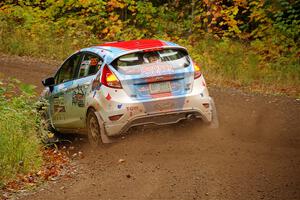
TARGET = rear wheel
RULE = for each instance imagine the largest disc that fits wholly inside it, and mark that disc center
(94, 130)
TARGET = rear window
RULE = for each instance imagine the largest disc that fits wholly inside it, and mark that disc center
(132, 63)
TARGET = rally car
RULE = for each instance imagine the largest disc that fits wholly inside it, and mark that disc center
(106, 89)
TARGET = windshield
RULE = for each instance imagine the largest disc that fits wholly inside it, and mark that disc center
(134, 63)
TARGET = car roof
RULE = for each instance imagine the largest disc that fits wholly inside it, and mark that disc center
(135, 44)
(111, 50)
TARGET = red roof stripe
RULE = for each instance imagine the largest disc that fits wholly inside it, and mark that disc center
(135, 44)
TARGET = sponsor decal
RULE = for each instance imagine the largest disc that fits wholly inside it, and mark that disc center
(157, 69)
(78, 96)
(132, 108)
(59, 104)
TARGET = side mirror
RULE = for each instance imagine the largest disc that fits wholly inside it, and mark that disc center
(48, 82)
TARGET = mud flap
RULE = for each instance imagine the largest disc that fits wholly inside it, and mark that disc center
(215, 121)
(105, 139)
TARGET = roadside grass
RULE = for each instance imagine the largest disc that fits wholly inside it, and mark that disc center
(42, 41)
(19, 144)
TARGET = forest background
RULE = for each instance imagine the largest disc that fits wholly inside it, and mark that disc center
(248, 44)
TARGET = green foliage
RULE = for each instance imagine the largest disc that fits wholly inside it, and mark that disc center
(264, 33)
(19, 144)
(286, 17)
(228, 61)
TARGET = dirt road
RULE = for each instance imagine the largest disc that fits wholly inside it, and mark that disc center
(255, 154)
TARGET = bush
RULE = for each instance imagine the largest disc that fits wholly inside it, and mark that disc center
(19, 144)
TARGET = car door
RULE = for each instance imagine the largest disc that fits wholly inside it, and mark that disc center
(61, 96)
(87, 69)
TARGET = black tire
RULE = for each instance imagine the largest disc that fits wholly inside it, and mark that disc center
(93, 129)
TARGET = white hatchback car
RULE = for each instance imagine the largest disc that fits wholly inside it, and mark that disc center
(105, 90)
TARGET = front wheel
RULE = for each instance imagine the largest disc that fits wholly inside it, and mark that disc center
(93, 129)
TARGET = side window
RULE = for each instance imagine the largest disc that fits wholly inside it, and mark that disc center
(90, 65)
(68, 69)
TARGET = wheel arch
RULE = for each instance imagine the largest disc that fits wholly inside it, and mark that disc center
(90, 108)
(104, 137)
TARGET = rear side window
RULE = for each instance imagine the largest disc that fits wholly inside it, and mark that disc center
(131, 63)
(89, 65)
